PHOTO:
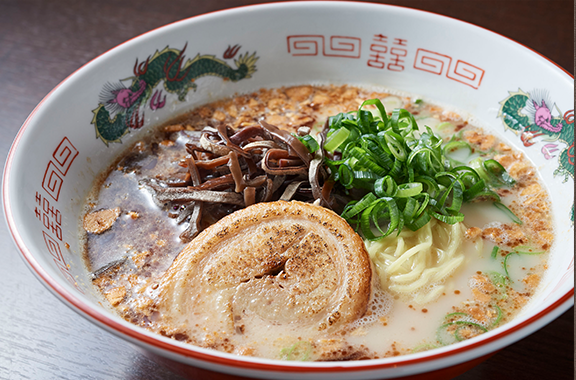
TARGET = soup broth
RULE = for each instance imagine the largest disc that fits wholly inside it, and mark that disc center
(131, 239)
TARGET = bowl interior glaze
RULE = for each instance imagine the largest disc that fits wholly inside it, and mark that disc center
(71, 136)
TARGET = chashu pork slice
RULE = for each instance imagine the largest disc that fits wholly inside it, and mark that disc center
(269, 268)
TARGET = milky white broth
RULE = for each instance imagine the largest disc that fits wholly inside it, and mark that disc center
(144, 240)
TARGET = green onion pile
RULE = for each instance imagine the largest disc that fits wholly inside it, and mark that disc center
(406, 177)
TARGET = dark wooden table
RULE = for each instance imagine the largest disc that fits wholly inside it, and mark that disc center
(42, 42)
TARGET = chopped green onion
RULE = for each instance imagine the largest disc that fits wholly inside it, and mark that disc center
(529, 252)
(477, 164)
(403, 176)
(299, 351)
(476, 325)
(379, 106)
(498, 279)
(346, 175)
(456, 314)
(385, 187)
(359, 206)
(309, 142)
(498, 174)
(365, 161)
(443, 336)
(409, 189)
(488, 194)
(395, 144)
(454, 146)
(420, 222)
(423, 347)
(507, 211)
(403, 122)
(431, 185)
(444, 125)
(495, 252)
(506, 264)
(336, 139)
(450, 219)
(498, 317)
(373, 214)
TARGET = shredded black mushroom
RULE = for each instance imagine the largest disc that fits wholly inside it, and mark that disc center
(193, 210)
(231, 169)
(163, 194)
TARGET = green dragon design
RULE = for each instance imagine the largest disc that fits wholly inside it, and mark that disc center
(178, 76)
(530, 116)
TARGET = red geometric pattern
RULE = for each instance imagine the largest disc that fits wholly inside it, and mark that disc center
(466, 73)
(52, 181)
(314, 44)
(441, 64)
(54, 248)
(47, 213)
(341, 46)
(302, 45)
(64, 155)
(431, 62)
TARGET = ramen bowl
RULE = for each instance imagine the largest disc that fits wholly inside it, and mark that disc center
(72, 136)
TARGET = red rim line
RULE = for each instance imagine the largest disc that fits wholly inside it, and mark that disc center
(77, 305)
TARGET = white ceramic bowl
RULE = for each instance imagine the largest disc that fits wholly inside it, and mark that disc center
(65, 143)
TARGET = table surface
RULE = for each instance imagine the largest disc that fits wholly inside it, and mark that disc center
(42, 42)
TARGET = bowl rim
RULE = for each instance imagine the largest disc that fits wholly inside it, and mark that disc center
(102, 318)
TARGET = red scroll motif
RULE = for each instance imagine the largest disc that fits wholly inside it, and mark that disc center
(341, 46)
(305, 44)
(441, 64)
(56, 169)
(64, 155)
(53, 180)
(466, 73)
(54, 249)
(431, 62)
(47, 213)
(314, 44)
